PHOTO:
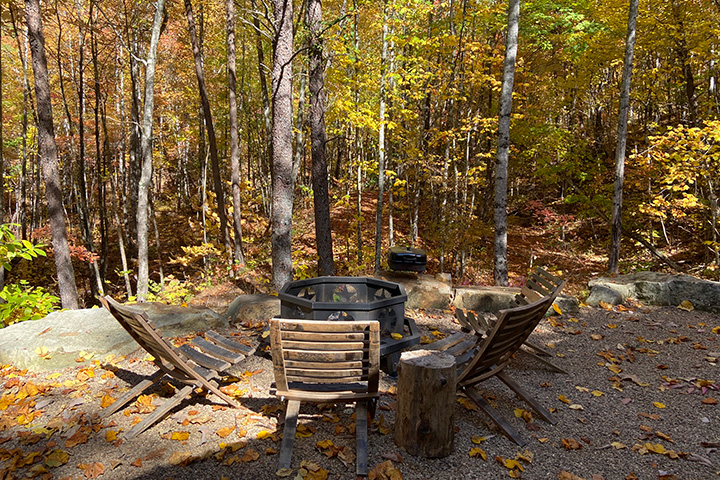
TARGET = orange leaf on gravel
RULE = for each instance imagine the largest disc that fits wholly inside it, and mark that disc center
(385, 471)
(137, 463)
(564, 475)
(250, 456)
(710, 401)
(106, 401)
(224, 432)
(180, 436)
(571, 444)
(92, 470)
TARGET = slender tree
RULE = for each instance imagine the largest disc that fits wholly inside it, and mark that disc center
(318, 139)
(616, 229)
(234, 142)
(207, 114)
(381, 140)
(501, 164)
(282, 185)
(49, 158)
(146, 145)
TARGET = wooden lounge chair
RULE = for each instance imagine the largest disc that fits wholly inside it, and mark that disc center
(328, 362)
(479, 358)
(540, 284)
(185, 364)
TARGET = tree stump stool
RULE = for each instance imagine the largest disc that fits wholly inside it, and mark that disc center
(425, 412)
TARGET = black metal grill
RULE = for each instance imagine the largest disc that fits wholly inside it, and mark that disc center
(354, 298)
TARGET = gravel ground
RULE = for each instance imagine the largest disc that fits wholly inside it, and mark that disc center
(653, 416)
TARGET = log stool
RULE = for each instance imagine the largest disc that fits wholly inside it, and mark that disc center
(425, 413)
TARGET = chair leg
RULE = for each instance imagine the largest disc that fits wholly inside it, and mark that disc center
(132, 393)
(361, 438)
(160, 412)
(499, 420)
(214, 389)
(291, 416)
(522, 393)
(542, 360)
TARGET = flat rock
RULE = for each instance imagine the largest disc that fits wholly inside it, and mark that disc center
(67, 333)
(485, 299)
(424, 292)
(601, 293)
(655, 288)
(253, 308)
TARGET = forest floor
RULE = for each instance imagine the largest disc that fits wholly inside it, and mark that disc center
(640, 402)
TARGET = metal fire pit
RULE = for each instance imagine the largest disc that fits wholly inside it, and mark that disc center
(354, 298)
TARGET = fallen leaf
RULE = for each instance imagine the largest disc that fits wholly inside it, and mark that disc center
(686, 305)
(659, 405)
(56, 458)
(224, 432)
(137, 463)
(92, 470)
(385, 471)
(250, 456)
(476, 452)
(564, 399)
(565, 475)
(709, 401)
(396, 336)
(467, 404)
(571, 444)
(106, 401)
(596, 336)
(181, 436)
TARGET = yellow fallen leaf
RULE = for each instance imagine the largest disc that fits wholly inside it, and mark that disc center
(614, 368)
(53, 376)
(43, 352)
(659, 405)
(180, 436)
(263, 434)
(56, 458)
(576, 406)
(224, 432)
(612, 325)
(686, 305)
(597, 393)
(106, 401)
(563, 399)
(716, 330)
(467, 404)
(396, 336)
(557, 308)
(477, 440)
(476, 452)
(110, 436)
(7, 400)
(618, 445)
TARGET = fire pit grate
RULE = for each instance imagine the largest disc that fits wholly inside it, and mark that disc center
(354, 298)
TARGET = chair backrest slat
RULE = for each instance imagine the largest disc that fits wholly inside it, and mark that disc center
(512, 328)
(339, 356)
(141, 329)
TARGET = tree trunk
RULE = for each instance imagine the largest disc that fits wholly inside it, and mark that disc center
(146, 145)
(318, 138)
(217, 181)
(282, 185)
(234, 142)
(500, 272)
(381, 141)
(49, 159)
(616, 228)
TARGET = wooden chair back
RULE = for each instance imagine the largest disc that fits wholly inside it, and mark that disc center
(540, 284)
(325, 361)
(511, 330)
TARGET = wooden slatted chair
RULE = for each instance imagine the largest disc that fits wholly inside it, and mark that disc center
(540, 284)
(479, 358)
(187, 365)
(327, 362)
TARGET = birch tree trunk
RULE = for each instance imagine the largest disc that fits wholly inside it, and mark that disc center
(146, 145)
(318, 139)
(49, 159)
(282, 185)
(381, 141)
(616, 229)
(500, 272)
(234, 142)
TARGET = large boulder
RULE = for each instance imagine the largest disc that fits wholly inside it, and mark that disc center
(67, 333)
(424, 292)
(655, 288)
(485, 299)
(253, 308)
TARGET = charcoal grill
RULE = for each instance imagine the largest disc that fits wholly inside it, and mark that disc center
(354, 298)
(407, 259)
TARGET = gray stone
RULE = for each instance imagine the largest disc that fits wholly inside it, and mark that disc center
(444, 277)
(655, 288)
(424, 291)
(601, 293)
(568, 304)
(253, 308)
(67, 333)
(485, 299)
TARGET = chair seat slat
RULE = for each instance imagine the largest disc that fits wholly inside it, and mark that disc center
(323, 336)
(216, 350)
(204, 360)
(231, 345)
